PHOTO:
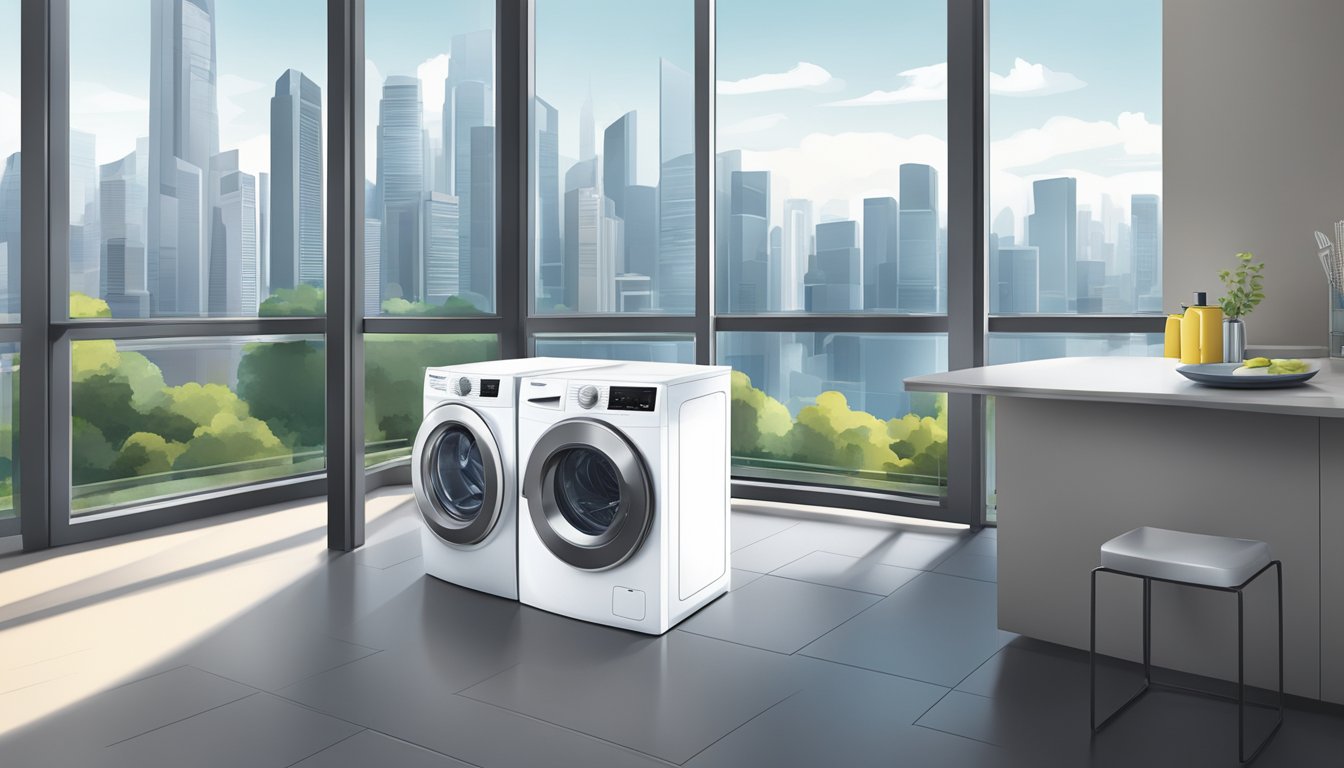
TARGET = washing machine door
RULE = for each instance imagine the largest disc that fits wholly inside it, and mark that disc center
(589, 494)
(457, 475)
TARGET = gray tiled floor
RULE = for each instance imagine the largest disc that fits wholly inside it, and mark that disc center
(840, 643)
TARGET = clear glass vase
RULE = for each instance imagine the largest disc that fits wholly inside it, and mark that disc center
(1336, 323)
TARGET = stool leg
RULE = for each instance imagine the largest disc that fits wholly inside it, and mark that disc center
(1147, 631)
(1278, 567)
(1241, 678)
(1092, 657)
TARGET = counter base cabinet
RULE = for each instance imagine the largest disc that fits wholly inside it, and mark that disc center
(1332, 560)
(1073, 474)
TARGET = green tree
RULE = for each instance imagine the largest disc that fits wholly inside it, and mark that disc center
(453, 306)
(284, 384)
(303, 301)
(145, 453)
(395, 374)
(228, 439)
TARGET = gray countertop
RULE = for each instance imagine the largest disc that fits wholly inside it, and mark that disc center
(1143, 380)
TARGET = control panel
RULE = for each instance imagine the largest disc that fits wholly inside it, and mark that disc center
(641, 399)
(467, 387)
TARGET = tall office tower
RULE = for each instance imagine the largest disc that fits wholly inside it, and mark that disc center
(1053, 229)
(442, 259)
(11, 193)
(471, 59)
(401, 187)
(549, 247)
(881, 251)
(837, 285)
(747, 288)
(587, 129)
(296, 182)
(1146, 236)
(618, 160)
(596, 278)
(1012, 278)
(633, 293)
(580, 177)
(1091, 277)
(263, 237)
(1084, 227)
(797, 252)
(183, 136)
(85, 242)
(373, 267)
(725, 165)
(232, 282)
(472, 106)
(122, 210)
(917, 265)
(482, 214)
(1005, 225)
(641, 232)
(776, 273)
(676, 190)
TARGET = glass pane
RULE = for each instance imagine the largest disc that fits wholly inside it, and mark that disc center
(1020, 347)
(394, 384)
(429, 121)
(832, 139)
(196, 157)
(10, 109)
(458, 478)
(9, 425)
(830, 409)
(658, 348)
(1075, 157)
(587, 490)
(155, 418)
(612, 163)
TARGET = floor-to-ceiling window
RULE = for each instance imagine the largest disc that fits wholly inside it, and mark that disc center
(10, 242)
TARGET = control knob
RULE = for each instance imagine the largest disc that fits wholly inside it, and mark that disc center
(587, 396)
(462, 387)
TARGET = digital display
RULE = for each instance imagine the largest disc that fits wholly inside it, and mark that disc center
(631, 398)
(489, 387)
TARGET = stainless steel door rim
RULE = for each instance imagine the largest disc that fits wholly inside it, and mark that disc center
(444, 522)
(544, 484)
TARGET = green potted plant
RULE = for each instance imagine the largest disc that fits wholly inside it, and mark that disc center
(1245, 286)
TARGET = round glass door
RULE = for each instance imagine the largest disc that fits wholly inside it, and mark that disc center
(459, 483)
(589, 494)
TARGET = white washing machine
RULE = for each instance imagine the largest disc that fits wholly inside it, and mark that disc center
(464, 471)
(624, 517)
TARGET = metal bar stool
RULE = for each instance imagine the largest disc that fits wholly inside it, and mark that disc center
(1218, 563)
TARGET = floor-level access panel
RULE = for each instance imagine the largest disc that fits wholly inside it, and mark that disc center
(1073, 474)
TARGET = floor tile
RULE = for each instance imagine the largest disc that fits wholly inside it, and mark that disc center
(848, 717)
(966, 714)
(890, 545)
(861, 574)
(741, 578)
(937, 628)
(970, 564)
(749, 528)
(391, 551)
(668, 696)
(777, 614)
(73, 737)
(268, 655)
(259, 731)
(370, 748)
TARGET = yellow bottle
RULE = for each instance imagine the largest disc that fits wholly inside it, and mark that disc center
(1202, 332)
(1171, 343)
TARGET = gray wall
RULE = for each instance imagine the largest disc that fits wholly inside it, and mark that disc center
(1253, 152)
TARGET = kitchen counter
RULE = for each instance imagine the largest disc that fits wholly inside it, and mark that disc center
(1089, 448)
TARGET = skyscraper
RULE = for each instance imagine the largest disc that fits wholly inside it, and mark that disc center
(442, 225)
(881, 251)
(596, 267)
(296, 253)
(183, 136)
(1012, 277)
(482, 214)
(676, 190)
(579, 180)
(1053, 229)
(263, 237)
(122, 193)
(472, 106)
(641, 232)
(796, 253)
(234, 256)
(373, 266)
(85, 242)
(618, 160)
(725, 165)
(11, 186)
(401, 186)
(587, 129)
(1090, 275)
(836, 282)
(1146, 228)
(917, 270)
(747, 288)
(471, 59)
(549, 248)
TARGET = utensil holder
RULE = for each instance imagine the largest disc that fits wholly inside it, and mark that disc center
(1336, 323)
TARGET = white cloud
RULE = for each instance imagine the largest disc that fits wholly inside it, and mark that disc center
(1066, 135)
(1027, 79)
(254, 154)
(432, 73)
(802, 76)
(95, 99)
(229, 88)
(839, 170)
(753, 124)
(921, 84)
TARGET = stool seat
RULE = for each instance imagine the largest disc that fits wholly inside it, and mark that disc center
(1197, 558)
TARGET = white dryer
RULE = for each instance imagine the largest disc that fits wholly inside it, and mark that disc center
(624, 515)
(464, 471)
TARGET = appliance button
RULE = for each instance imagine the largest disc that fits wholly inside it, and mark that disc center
(462, 387)
(587, 396)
